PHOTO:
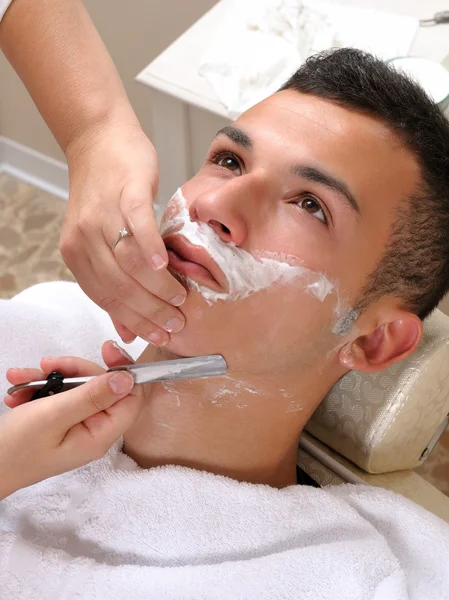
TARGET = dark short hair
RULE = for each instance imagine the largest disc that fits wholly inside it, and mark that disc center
(415, 264)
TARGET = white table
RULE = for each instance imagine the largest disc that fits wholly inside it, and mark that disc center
(186, 114)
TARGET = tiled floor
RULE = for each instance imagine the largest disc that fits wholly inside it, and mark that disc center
(29, 234)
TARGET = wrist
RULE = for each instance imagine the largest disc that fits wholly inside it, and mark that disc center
(97, 123)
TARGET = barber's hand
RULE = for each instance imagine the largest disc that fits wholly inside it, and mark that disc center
(113, 180)
(49, 436)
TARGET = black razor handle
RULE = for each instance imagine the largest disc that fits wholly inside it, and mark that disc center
(55, 383)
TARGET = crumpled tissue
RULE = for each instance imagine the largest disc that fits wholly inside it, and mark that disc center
(262, 42)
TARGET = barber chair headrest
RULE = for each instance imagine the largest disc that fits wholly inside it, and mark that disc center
(389, 421)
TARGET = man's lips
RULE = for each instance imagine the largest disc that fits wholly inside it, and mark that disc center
(195, 263)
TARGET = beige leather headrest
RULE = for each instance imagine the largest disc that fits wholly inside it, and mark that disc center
(385, 421)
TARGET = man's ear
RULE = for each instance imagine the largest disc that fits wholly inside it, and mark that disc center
(396, 338)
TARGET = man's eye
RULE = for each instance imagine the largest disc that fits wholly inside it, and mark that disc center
(312, 206)
(228, 161)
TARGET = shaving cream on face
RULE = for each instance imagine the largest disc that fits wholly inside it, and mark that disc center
(244, 272)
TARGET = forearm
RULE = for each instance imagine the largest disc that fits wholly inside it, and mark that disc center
(56, 50)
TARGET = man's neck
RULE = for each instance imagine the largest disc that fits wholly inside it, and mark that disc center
(243, 427)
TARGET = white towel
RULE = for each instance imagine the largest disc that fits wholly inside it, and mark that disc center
(53, 319)
(113, 531)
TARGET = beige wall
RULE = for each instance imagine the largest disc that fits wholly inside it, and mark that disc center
(134, 32)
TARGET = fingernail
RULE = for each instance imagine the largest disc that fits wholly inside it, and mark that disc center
(121, 383)
(174, 325)
(48, 357)
(158, 262)
(178, 300)
(121, 350)
(158, 339)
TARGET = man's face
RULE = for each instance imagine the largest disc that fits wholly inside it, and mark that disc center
(298, 176)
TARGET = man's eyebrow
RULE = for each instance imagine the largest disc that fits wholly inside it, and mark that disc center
(237, 135)
(314, 174)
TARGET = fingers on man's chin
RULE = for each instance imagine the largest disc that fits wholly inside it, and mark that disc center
(112, 352)
(126, 334)
(127, 337)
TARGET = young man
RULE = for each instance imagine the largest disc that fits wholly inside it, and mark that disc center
(312, 241)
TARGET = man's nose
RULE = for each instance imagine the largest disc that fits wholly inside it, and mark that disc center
(228, 208)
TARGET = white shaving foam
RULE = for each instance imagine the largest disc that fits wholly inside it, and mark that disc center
(245, 273)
